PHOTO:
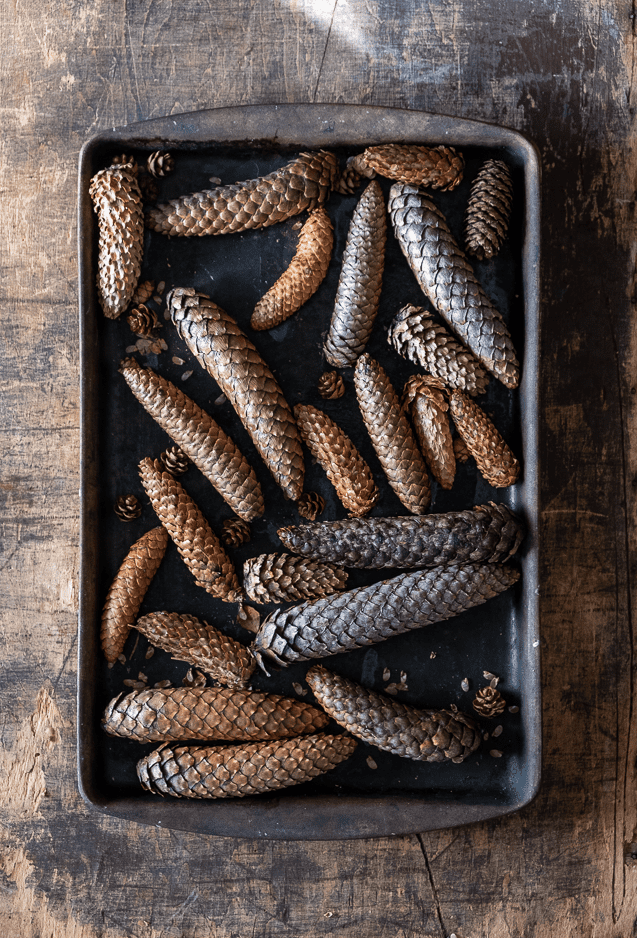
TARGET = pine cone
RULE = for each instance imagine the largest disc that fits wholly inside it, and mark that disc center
(349, 180)
(446, 277)
(128, 589)
(201, 645)
(235, 532)
(460, 450)
(237, 771)
(160, 163)
(391, 435)
(123, 159)
(487, 534)
(495, 460)
(303, 277)
(117, 201)
(415, 336)
(282, 578)
(302, 184)
(361, 617)
(143, 322)
(227, 354)
(175, 461)
(423, 735)
(345, 467)
(127, 507)
(144, 292)
(199, 436)
(437, 167)
(331, 386)
(424, 398)
(360, 282)
(310, 505)
(489, 702)
(486, 218)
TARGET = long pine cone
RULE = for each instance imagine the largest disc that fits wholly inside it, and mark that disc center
(282, 578)
(428, 406)
(301, 184)
(201, 645)
(199, 436)
(494, 458)
(303, 277)
(486, 219)
(437, 167)
(361, 617)
(423, 735)
(128, 589)
(237, 771)
(391, 435)
(227, 354)
(360, 282)
(448, 280)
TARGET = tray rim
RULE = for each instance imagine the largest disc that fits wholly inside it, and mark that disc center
(326, 817)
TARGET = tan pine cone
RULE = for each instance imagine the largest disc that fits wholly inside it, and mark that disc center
(123, 159)
(128, 589)
(338, 457)
(238, 771)
(160, 163)
(127, 507)
(331, 386)
(144, 292)
(235, 532)
(495, 460)
(437, 167)
(283, 578)
(303, 277)
(350, 179)
(489, 702)
(424, 398)
(175, 461)
(488, 209)
(460, 450)
(143, 321)
(310, 505)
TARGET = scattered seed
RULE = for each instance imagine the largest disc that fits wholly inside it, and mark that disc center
(453, 707)
(497, 731)
(432, 654)
(495, 753)
(514, 709)
(386, 674)
(465, 684)
(485, 737)
(150, 651)
(403, 678)
(129, 682)
(160, 684)
(178, 361)
(489, 676)
(189, 678)
(214, 180)
(161, 286)
(142, 677)
(186, 375)
(301, 691)
(371, 763)
(494, 683)
(221, 399)
(157, 299)
(391, 689)
(131, 349)
(122, 658)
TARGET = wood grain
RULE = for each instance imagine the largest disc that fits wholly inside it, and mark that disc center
(564, 75)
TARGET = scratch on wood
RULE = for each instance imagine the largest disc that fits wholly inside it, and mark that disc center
(434, 891)
(327, 42)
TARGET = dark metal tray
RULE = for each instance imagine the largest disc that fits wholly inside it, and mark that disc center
(355, 800)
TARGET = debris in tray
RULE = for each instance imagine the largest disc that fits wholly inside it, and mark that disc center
(497, 731)
(496, 753)
(464, 684)
(150, 651)
(301, 691)
(386, 674)
(371, 762)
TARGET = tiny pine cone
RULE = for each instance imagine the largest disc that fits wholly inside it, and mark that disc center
(143, 321)
(489, 702)
(175, 461)
(143, 292)
(235, 532)
(331, 385)
(310, 505)
(123, 159)
(127, 507)
(160, 163)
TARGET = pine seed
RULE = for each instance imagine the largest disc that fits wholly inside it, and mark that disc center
(150, 651)
(497, 731)
(465, 684)
(371, 763)
(514, 709)
(495, 753)
(386, 674)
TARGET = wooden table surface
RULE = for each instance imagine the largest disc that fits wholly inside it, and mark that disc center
(562, 72)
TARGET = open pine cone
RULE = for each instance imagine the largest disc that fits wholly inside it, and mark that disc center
(310, 505)
(160, 163)
(235, 532)
(127, 507)
(330, 385)
(175, 461)
(489, 702)
(143, 321)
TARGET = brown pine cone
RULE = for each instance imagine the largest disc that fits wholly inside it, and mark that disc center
(361, 617)
(282, 578)
(172, 713)
(360, 282)
(427, 405)
(199, 547)
(437, 167)
(331, 386)
(144, 292)
(303, 277)
(415, 336)
(302, 184)
(350, 179)
(310, 505)
(175, 461)
(345, 467)
(124, 159)
(460, 450)
(127, 507)
(143, 322)
(486, 219)
(128, 589)
(188, 639)
(391, 435)
(227, 354)
(423, 735)
(235, 532)
(495, 460)
(160, 163)
(199, 436)
(117, 201)
(489, 702)
(237, 771)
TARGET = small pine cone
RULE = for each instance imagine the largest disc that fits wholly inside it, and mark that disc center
(437, 167)
(310, 505)
(143, 322)
(495, 460)
(237, 771)
(350, 179)
(124, 159)
(422, 735)
(425, 400)
(283, 578)
(338, 457)
(486, 218)
(160, 163)
(235, 532)
(489, 702)
(144, 291)
(175, 461)
(460, 450)
(127, 507)
(331, 386)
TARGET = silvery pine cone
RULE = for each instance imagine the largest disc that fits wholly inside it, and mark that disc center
(201, 645)
(127, 507)
(437, 167)
(175, 461)
(488, 533)
(489, 702)
(212, 713)
(301, 184)
(238, 771)
(143, 321)
(391, 435)
(128, 589)
(336, 454)
(486, 219)
(495, 460)
(331, 386)
(360, 282)
(160, 163)
(227, 354)
(424, 398)
(310, 505)
(304, 275)
(448, 280)
(118, 202)
(199, 547)
(282, 578)
(416, 336)
(423, 735)
(199, 436)
(235, 532)
(361, 617)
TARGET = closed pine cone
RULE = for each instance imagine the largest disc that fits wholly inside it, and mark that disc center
(486, 218)
(331, 385)
(282, 578)
(160, 163)
(310, 505)
(460, 450)
(437, 167)
(235, 532)
(127, 507)
(175, 461)
(143, 321)
(489, 702)
(144, 291)
(495, 460)
(424, 397)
